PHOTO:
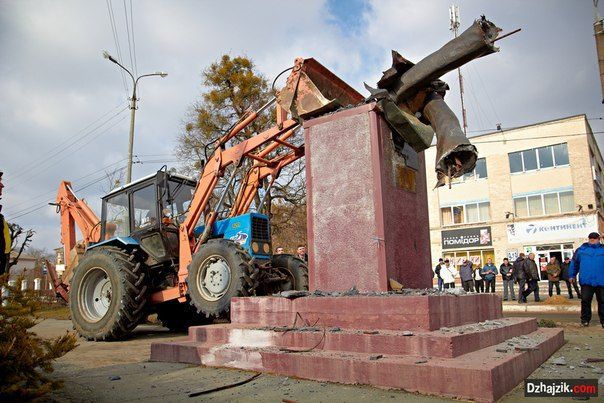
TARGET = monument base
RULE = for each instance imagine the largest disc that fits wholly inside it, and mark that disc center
(431, 344)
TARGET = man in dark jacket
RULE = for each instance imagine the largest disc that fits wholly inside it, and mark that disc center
(531, 272)
(588, 262)
(465, 272)
(507, 275)
(564, 266)
(437, 272)
(520, 276)
(489, 273)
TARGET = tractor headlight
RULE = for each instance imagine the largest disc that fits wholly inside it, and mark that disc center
(255, 247)
(266, 248)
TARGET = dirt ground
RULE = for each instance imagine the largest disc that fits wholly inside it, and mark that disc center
(120, 371)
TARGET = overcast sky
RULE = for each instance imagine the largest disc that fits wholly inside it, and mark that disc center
(63, 107)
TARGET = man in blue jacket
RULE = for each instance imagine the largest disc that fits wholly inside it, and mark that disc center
(588, 262)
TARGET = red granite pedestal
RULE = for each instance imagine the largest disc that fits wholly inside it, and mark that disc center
(432, 344)
(368, 223)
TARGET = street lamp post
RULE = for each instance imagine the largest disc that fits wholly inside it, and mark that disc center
(133, 108)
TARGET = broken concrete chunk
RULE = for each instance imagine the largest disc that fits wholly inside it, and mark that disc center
(375, 357)
(292, 294)
(407, 333)
(559, 361)
(501, 350)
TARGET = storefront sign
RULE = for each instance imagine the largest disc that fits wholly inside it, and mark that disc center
(467, 237)
(554, 229)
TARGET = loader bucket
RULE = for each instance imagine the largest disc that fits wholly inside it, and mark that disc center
(312, 90)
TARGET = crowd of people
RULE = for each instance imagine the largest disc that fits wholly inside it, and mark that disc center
(525, 273)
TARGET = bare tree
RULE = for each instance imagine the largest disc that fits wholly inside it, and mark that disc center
(16, 232)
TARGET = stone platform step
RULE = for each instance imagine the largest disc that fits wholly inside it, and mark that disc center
(392, 312)
(447, 342)
(500, 367)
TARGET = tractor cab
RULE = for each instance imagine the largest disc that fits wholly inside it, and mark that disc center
(147, 212)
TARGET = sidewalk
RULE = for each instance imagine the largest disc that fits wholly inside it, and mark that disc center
(556, 304)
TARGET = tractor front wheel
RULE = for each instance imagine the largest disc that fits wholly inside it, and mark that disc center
(219, 271)
(107, 295)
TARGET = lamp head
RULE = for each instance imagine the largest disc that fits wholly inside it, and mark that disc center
(107, 56)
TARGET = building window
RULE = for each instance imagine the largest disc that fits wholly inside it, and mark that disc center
(538, 158)
(465, 213)
(37, 282)
(479, 172)
(543, 204)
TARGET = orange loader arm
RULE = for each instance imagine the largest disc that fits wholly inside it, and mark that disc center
(74, 212)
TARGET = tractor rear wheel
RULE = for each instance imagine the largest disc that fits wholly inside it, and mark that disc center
(107, 295)
(294, 269)
(219, 271)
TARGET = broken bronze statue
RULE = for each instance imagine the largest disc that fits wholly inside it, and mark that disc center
(411, 97)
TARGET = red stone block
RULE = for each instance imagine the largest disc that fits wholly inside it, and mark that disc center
(367, 205)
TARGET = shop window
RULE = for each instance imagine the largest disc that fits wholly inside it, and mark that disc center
(550, 202)
(472, 211)
(535, 205)
(546, 203)
(458, 217)
(446, 216)
(520, 207)
(466, 213)
(485, 211)
(567, 202)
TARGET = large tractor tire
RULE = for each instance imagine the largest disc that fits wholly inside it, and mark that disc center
(219, 271)
(108, 294)
(178, 317)
(294, 269)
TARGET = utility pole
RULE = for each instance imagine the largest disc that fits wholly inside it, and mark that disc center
(133, 108)
(454, 26)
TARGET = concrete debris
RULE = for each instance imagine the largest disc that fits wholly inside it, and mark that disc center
(375, 357)
(597, 370)
(292, 294)
(115, 378)
(455, 291)
(501, 350)
(407, 333)
(421, 361)
(335, 329)
(559, 361)
(352, 291)
(571, 367)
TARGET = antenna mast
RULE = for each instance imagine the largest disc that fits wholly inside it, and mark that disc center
(454, 26)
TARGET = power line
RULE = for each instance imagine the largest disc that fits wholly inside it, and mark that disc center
(45, 194)
(53, 156)
(116, 40)
(37, 206)
(133, 41)
(532, 138)
(128, 33)
(68, 139)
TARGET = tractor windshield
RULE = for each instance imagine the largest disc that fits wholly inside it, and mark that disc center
(117, 219)
(176, 202)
